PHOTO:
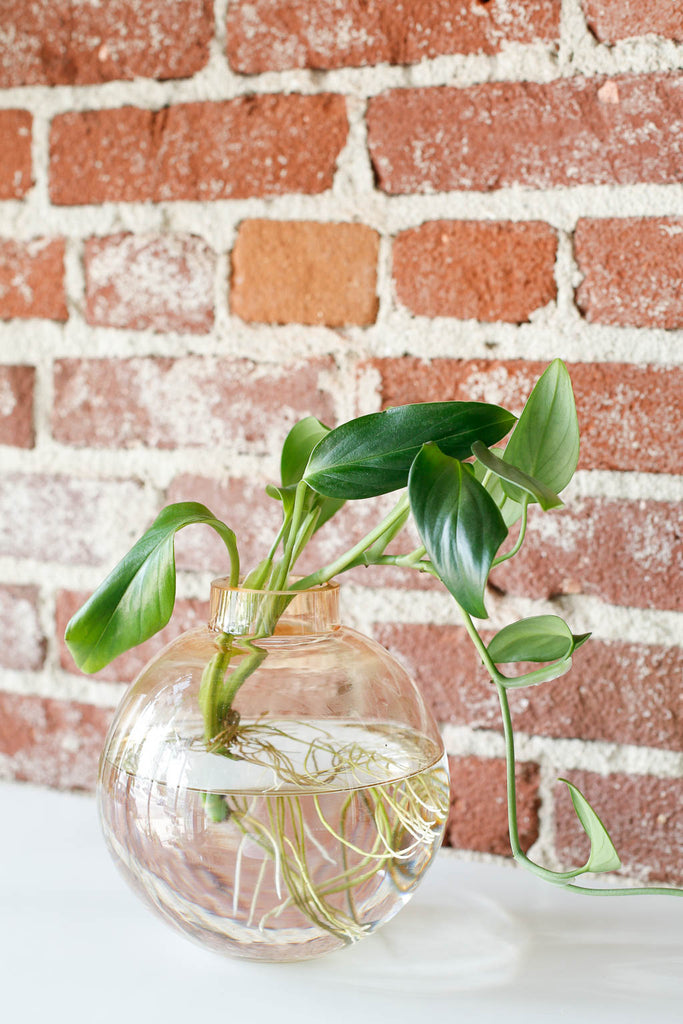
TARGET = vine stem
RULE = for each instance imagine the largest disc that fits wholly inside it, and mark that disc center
(560, 878)
(520, 540)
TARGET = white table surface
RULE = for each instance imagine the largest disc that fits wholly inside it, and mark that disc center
(478, 943)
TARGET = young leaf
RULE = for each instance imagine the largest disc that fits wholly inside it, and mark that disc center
(603, 856)
(296, 451)
(545, 441)
(540, 638)
(136, 599)
(510, 510)
(538, 491)
(459, 524)
(373, 454)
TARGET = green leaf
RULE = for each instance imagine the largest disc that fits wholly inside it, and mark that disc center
(284, 494)
(537, 490)
(545, 441)
(603, 855)
(373, 454)
(296, 451)
(540, 638)
(297, 448)
(136, 599)
(459, 524)
(510, 510)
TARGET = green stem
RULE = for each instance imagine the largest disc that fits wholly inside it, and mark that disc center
(209, 690)
(399, 560)
(278, 580)
(258, 576)
(520, 539)
(349, 558)
(556, 877)
(240, 674)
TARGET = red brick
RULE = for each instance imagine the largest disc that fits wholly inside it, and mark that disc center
(51, 742)
(623, 552)
(251, 146)
(15, 153)
(610, 20)
(66, 521)
(479, 270)
(17, 384)
(162, 282)
(265, 35)
(478, 815)
(566, 132)
(66, 43)
(616, 692)
(618, 403)
(32, 279)
(643, 814)
(631, 268)
(124, 669)
(186, 402)
(22, 641)
(305, 272)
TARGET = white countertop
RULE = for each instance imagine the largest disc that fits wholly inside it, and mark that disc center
(479, 942)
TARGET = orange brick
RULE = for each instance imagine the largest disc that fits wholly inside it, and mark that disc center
(305, 272)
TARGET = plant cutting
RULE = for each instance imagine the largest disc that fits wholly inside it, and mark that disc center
(274, 784)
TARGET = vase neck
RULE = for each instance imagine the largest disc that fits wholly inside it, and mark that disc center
(243, 612)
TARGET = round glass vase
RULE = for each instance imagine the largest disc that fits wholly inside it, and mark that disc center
(275, 797)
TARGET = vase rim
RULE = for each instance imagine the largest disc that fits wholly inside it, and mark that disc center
(223, 583)
(240, 610)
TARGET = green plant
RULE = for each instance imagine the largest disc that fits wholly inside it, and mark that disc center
(464, 495)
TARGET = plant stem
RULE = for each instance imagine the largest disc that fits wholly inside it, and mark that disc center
(278, 580)
(520, 539)
(349, 557)
(557, 877)
(210, 698)
(402, 561)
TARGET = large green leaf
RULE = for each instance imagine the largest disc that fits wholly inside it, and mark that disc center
(545, 441)
(539, 638)
(537, 490)
(373, 454)
(136, 599)
(603, 856)
(459, 523)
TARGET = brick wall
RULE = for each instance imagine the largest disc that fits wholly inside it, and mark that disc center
(215, 219)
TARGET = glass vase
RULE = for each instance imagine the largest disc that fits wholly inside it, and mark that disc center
(275, 797)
